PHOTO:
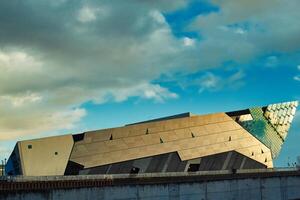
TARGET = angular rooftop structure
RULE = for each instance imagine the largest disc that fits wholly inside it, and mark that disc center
(244, 139)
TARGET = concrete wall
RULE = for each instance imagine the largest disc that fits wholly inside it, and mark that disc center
(282, 188)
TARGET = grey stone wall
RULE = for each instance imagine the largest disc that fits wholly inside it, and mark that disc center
(282, 188)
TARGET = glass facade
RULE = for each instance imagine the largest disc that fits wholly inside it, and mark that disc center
(271, 124)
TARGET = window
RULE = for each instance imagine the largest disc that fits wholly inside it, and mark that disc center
(193, 167)
(29, 146)
(134, 170)
(192, 134)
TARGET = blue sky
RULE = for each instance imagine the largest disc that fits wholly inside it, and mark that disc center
(68, 67)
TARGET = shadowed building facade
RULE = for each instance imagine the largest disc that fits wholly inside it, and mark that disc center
(244, 139)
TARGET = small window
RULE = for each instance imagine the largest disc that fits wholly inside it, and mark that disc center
(134, 170)
(192, 134)
(193, 167)
(29, 146)
(56, 153)
(161, 141)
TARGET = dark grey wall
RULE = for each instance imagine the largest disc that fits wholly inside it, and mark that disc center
(171, 163)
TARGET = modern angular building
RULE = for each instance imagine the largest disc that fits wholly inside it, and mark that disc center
(244, 139)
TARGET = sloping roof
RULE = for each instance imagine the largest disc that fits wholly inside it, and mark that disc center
(191, 137)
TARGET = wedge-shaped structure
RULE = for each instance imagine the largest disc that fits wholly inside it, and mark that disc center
(243, 139)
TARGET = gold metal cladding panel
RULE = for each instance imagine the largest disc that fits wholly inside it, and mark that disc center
(183, 133)
(127, 154)
(156, 128)
(89, 149)
(168, 136)
(135, 141)
(134, 132)
(229, 125)
(150, 139)
(148, 150)
(153, 127)
(246, 140)
(212, 128)
(118, 133)
(115, 145)
(46, 156)
(245, 143)
(94, 136)
(217, 133)
(198, 130)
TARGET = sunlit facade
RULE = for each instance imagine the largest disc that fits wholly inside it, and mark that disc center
(244, 139)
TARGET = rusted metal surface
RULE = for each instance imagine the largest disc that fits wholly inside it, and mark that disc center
(20, 183)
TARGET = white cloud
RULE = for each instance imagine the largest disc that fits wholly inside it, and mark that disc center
(37, 121)
(297, 78)
(146, 91)
(209, 82)
(244, 30)
(272, 61)
(89, 14)
(86, 14)
(54, 64)
(212, 82)
(240, 31)
(157, 16)
(188, 41)
(17, 101)
(17, 60)
(66, 119)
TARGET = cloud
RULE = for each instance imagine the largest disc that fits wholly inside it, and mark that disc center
(209, 82)
(56, 56)
(188, 41)
(297, 77)
(271, 61)
(18, 101)
(87, 14)
(212, 82)
(244, 30)
(146, 91)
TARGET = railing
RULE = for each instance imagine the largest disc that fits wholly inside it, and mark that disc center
(25, 183)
